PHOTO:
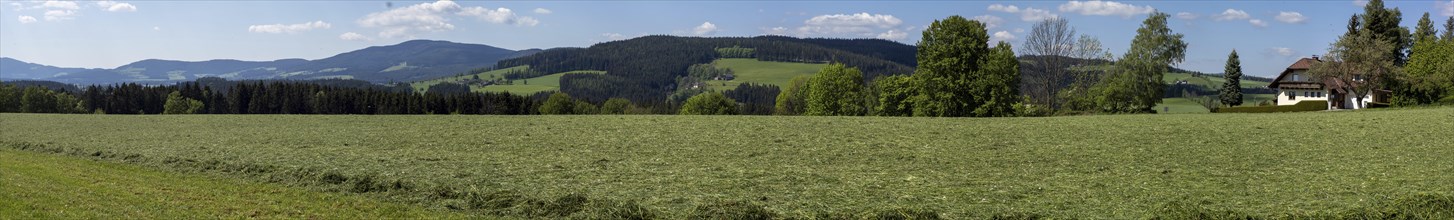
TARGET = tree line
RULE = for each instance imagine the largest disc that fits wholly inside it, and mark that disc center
(277, 97)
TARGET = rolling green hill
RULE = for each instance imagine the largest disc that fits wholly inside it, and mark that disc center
(420, 86)
(533, 85)
(761, 72)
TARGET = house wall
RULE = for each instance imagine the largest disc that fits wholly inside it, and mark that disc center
(1299, 95)
(1349, 102)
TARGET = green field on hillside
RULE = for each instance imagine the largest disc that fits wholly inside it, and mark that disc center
(1211, 82)
(1116, 166)
(46, 186)
(761, 72)
(533, 85)
(421, 86)
(1186, 105)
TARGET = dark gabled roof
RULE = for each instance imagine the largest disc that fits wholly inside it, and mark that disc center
(1301, 64)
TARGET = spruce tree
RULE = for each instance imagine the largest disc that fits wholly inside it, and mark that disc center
(1231, 93)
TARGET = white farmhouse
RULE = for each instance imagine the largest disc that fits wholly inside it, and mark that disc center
(1294, 85)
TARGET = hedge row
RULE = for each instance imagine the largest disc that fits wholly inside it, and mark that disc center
(1303, 106)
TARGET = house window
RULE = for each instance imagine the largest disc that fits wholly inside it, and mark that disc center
(1291, 95)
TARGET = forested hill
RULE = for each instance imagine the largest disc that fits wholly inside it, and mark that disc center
(645, 69)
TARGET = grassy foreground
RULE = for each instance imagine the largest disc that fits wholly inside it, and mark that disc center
(46, 186)
(1118, 167)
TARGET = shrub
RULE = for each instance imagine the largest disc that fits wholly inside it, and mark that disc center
(711, 103)
(558, 104)
(1304, 106)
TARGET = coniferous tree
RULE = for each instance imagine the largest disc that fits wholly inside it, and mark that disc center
(1231, 92)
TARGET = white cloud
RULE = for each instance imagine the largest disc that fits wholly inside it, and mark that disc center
(499, 16)
(1004, 8)
(353, 36)
(613, 36)
(1283, 51)
(860, 19)
(1019, 30)
(894, 35)
(1026, 14)
(112, 6)
(1186, 16)
(850, 25)
(156, 28)
(707, 28)
(775, 31)
(1005, 36)
(26, 19)
(288, 28)
(543, 11)
(1035, 14)
(59, 15)
(1232, 14)
(1360, 3)
(1448, 8)
(17, 6)
(68, 5)
(1291, 17)
(1105, 8)
(433, 17)
(1258, 23)
(990, 21)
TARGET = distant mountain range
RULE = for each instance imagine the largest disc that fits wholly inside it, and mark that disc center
(403, 62)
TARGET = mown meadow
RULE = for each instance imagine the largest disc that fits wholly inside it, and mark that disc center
(1349, 164)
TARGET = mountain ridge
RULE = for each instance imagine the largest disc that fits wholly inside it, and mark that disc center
(405, 61)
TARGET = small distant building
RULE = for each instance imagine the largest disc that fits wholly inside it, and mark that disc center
(1294, 85)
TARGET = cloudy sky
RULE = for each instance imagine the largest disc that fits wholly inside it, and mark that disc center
(105, 34)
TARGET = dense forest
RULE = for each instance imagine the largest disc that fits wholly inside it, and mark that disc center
(646, 69)
(257, 97)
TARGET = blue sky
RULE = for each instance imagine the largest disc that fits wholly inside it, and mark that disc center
(1268, 35)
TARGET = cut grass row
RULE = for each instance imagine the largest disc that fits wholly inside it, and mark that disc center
(1119, 167)
(46, 186)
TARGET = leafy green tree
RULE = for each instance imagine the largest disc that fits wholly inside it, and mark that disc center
(1383, 24)
(793, 100)
(1136, 85)
(1231, 93)
(581, 107)
(995, 88)
(836, 90)
(1429, 74)
(67, 103)
(9, 98)
(615, 106)
(1424, 31)
(558, 104)
(710, 103)
(176, 104)
(1359, 60)
(38, 100)
(894, 93)
(959, 75)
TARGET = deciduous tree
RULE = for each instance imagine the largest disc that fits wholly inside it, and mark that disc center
(1052, 42)
(836, 90)
(710, 103)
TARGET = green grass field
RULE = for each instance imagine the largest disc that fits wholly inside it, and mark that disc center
(1212, 82)
(1116, 166)
(421, 86)
(763, 72)
(46, 186)
(1185, 105)
(533, 85)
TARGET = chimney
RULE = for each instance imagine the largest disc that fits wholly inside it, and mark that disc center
(1315, 57)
